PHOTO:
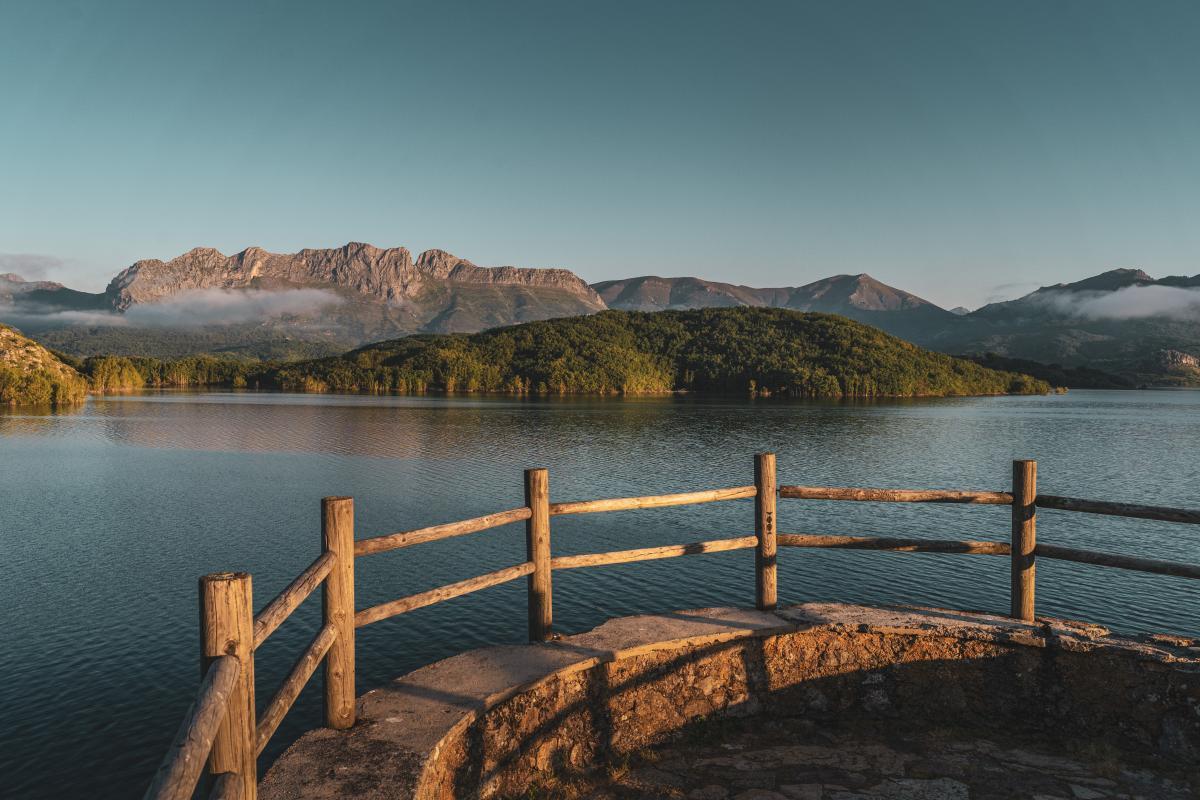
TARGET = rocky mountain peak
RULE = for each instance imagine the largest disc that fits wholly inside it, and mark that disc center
(1106, 281)
(12, 284)
(387, 275)
(440, 264)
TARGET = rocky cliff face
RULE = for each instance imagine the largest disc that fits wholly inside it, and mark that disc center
(206, 301)
(388, 275)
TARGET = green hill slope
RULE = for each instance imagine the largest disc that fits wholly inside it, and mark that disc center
(759, 350)
(30, 375)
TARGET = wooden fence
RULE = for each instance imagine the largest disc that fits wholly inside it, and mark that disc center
(222, 728)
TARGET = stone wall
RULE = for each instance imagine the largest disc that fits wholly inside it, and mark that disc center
(589, 700)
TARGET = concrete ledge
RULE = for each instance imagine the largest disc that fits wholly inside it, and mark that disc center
(489, 721)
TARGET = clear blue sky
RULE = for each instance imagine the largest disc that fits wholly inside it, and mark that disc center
(959, 150)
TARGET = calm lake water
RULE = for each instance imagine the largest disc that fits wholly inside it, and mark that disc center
(108, 515)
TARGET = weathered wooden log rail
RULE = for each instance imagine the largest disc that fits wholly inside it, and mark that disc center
(222, 728)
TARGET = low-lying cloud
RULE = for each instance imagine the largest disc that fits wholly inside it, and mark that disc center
(194, 308)
(31, 318)
(1006, 291)
(1130, 302)
(199, 307)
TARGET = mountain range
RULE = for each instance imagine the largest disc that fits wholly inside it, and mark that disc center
(259, 304)
(859, 297)
(266, 304)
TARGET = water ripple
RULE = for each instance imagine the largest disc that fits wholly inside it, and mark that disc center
(110, 513)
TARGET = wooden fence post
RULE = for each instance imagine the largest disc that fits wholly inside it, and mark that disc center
(227, 629)
(537, 549)
(1024, 539)
(337, 605)
(764, 529)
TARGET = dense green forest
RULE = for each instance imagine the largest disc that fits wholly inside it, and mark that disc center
(245, 342)
(761, 351)
(1054, 374)
(118, 373)
(40, 388)
(758, 351)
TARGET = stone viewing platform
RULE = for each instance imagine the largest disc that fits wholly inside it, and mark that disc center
(574, 716)
(814, 701)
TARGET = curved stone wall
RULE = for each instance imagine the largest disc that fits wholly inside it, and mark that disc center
(492, 722)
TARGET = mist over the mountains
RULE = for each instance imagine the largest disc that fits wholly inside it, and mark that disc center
(200, 307)
(30, 266)
(1130, 302)
(194, 308)
(30, 317)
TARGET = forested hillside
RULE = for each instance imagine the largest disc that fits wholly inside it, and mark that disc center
(741, 350)
(30, 375)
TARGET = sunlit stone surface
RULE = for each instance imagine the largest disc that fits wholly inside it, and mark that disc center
(814, 701)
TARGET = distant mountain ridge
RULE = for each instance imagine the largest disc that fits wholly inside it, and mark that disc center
(859, 297)
(363, 294)
(46, 295)
(652, 293)
(1122, 321)
(390, 275)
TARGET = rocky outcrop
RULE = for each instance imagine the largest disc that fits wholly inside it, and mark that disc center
(388, 275)
(1175, 360)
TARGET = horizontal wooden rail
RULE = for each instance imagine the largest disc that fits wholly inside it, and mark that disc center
(224, 709)
(898, 545)
(283, 700)
(652, 501)
(394, 541)
(180, 770)
(1118, 509)
(290, 598)
(227, 786)
(896, 495)
(422, 599)
(1135, 563)
(652, 553)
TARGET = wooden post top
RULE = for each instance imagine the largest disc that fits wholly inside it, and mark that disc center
(213, 577)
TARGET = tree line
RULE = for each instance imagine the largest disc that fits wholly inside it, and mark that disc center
(759, 351)
(749, 351)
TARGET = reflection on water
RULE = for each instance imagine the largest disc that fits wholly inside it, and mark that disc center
(109, 514)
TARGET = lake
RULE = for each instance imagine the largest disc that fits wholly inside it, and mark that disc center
(109, 514)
